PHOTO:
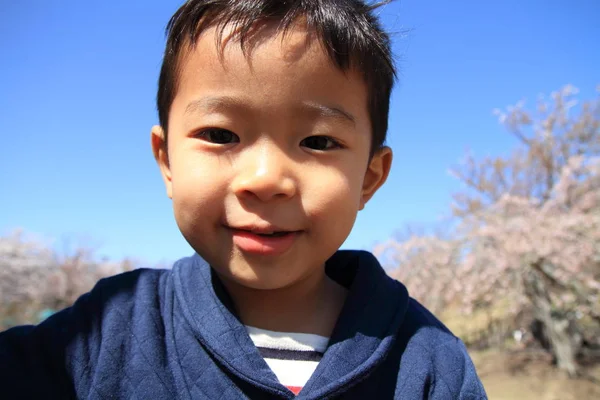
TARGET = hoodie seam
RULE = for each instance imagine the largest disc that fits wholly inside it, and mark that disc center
(355, 323)
(365, 374)
(213, 338)
(175, 342)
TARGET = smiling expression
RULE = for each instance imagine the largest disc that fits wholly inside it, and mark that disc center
(267, 160)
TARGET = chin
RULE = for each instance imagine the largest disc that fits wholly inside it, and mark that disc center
(251, 281)
(261, 278)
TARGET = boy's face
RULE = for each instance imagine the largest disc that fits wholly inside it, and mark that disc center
(275, 142)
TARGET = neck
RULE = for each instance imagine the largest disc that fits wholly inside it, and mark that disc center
(309, 306)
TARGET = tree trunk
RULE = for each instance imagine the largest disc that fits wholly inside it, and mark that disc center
(558, 327)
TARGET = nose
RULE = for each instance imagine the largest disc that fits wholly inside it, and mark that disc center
(264, 173)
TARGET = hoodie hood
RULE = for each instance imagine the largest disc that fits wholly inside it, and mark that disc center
(362, 338)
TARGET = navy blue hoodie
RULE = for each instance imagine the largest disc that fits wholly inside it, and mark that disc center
(174, 334)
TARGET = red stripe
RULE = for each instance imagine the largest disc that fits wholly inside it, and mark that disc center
(295, 389)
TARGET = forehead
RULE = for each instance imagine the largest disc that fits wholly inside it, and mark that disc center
(275, 67)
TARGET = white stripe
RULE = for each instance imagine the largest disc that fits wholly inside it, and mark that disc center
(291, 372)
(287, 340)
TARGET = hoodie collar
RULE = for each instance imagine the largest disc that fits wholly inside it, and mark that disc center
(363, 335)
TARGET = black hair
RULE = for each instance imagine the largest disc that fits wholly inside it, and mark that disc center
(348, 29)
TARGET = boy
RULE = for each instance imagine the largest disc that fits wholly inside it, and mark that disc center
(273, 116)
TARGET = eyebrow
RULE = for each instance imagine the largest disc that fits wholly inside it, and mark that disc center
(330, 111)
(221, 103)
(214, 104)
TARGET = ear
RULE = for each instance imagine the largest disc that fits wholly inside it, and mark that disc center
(376, 175)
(159, 148)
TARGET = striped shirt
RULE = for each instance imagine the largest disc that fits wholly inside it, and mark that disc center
(293, 357)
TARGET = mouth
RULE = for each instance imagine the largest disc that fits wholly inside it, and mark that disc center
(266, 231)
(264, 240)
(269, 234)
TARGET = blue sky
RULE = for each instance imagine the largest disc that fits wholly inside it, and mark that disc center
(78, 83)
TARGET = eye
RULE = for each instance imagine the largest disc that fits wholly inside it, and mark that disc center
(218, 136)
(320, 143)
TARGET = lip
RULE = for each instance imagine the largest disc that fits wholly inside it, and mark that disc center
(261, 228)
(251, 241)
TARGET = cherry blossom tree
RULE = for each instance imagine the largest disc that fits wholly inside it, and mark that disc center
(35, 280)
(25, 265)
(527, 229)
(543, 255)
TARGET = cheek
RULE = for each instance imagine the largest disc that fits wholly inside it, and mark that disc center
(334, 199)
(197, 187)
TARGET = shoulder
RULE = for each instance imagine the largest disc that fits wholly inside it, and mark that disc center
(424, 327)
(130, 301)
(110, 298)
(108, 293)
(136, 280)
(114, 298)
(60, 352)
(444, 357)
(140, 284)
